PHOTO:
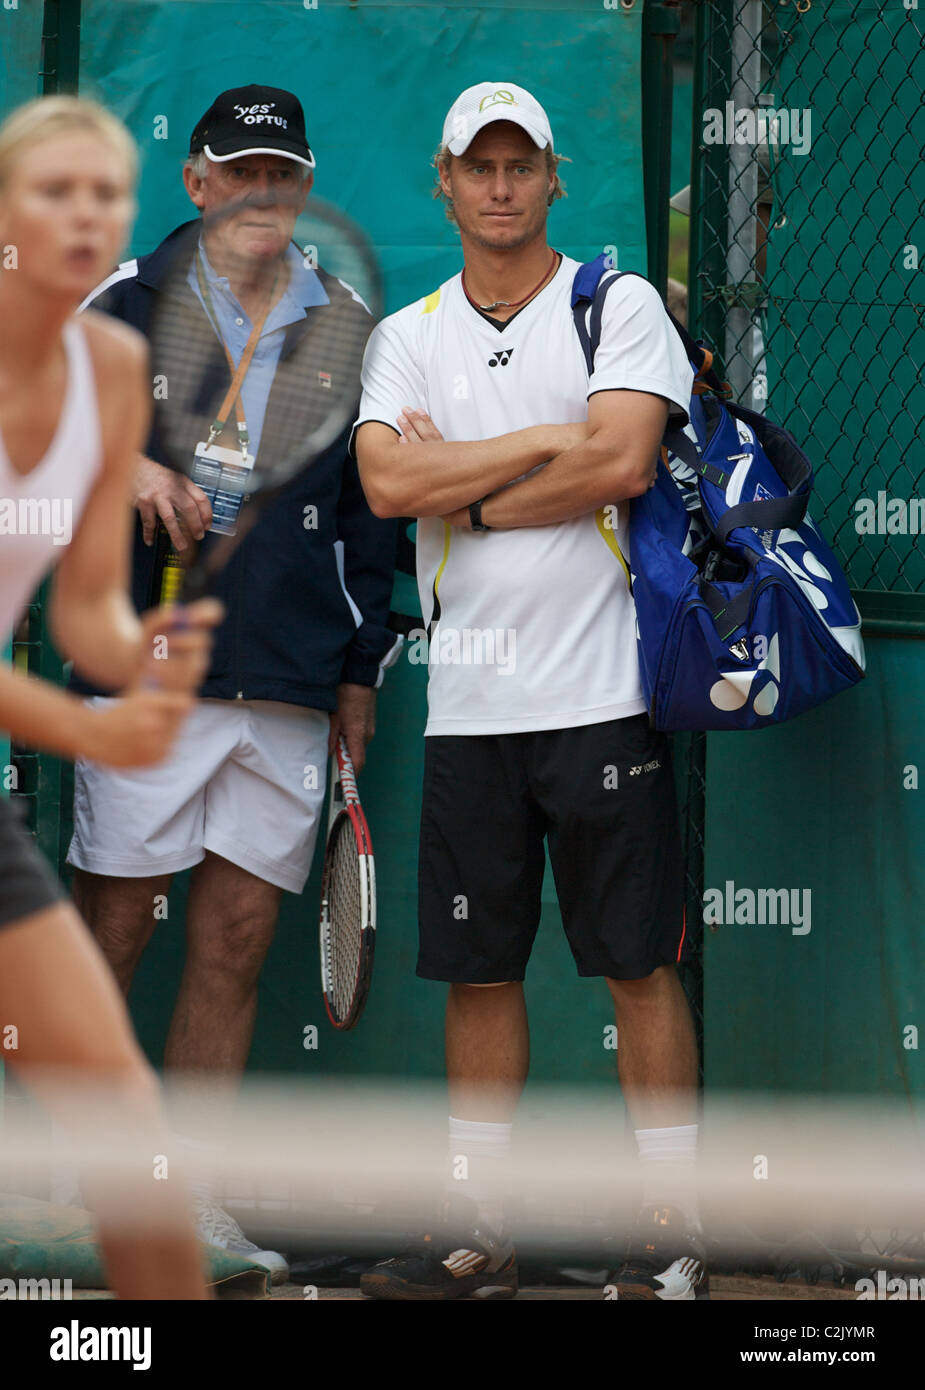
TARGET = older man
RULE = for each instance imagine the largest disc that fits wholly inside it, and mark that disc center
(296, 663)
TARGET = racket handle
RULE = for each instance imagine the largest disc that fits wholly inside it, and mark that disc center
(345, 767)
(180, 623)
(166, 572)
(171, 580)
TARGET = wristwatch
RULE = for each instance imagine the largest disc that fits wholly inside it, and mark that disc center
(475, 516)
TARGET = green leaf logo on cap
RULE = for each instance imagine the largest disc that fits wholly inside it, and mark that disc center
(497, 98)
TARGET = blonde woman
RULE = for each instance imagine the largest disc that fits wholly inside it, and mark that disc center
(73, 414)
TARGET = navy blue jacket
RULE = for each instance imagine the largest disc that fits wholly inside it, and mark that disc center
(291, 633)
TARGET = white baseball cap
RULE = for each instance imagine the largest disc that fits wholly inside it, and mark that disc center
(478, 106)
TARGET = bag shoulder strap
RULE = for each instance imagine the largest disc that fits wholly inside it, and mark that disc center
(767, 514)
(590, 286)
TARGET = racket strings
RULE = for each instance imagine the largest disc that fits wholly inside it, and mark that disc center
(347, 910)
(314, 391)
(314, 385)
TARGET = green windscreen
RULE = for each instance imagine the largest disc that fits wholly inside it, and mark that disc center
(376, 81)
(20, 49)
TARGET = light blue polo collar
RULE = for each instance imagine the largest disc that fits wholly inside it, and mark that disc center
(304, 291)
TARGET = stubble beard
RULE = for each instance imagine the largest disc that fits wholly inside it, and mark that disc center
(524, 237)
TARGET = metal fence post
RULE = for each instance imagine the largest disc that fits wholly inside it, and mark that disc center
(40, 773)
(60, 60)
(661, 22)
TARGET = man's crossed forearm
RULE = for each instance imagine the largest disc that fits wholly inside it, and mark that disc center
(420, 474)
(604, 464)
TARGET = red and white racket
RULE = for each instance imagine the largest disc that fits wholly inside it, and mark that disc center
(348, 898)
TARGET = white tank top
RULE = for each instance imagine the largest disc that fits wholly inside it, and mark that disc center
(39, 513)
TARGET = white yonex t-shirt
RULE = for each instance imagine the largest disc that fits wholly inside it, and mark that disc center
(535, 626)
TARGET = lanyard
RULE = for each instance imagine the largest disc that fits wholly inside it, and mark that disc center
(233, 394)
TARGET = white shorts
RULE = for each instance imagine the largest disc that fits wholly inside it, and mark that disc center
(234, 783)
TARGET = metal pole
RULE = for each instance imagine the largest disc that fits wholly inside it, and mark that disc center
(661, 22)
(58, 72)
(60, 61)
(706, 318)
(743, 343)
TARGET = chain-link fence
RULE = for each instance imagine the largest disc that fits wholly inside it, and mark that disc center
(807, 229)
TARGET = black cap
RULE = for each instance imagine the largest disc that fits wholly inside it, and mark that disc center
(253, 120)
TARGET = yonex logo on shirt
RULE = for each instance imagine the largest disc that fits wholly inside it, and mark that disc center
(500, 358)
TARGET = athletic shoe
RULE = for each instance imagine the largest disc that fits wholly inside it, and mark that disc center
(215, 1227)
(664, 1260)
(461, 1260)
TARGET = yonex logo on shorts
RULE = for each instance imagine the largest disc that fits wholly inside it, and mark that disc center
(645, 767)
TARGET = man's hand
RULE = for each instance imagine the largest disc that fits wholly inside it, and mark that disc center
(181, 505)
(418, 427)
(618, 461)
(355, 718)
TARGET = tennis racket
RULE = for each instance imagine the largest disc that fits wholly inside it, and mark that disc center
(206, 371)
(348, 899)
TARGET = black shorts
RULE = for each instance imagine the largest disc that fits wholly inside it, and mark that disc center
(603, 796)
(27, 883)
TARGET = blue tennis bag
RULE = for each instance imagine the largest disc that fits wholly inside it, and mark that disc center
(743, 615)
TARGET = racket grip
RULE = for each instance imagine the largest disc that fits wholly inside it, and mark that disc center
(180, 623)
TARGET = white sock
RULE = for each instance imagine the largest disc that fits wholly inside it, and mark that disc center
(200, 1161)
(64, 1181)
(668, 1159)
(478, 1151)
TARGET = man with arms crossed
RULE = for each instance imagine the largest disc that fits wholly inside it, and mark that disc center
(478, 417)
